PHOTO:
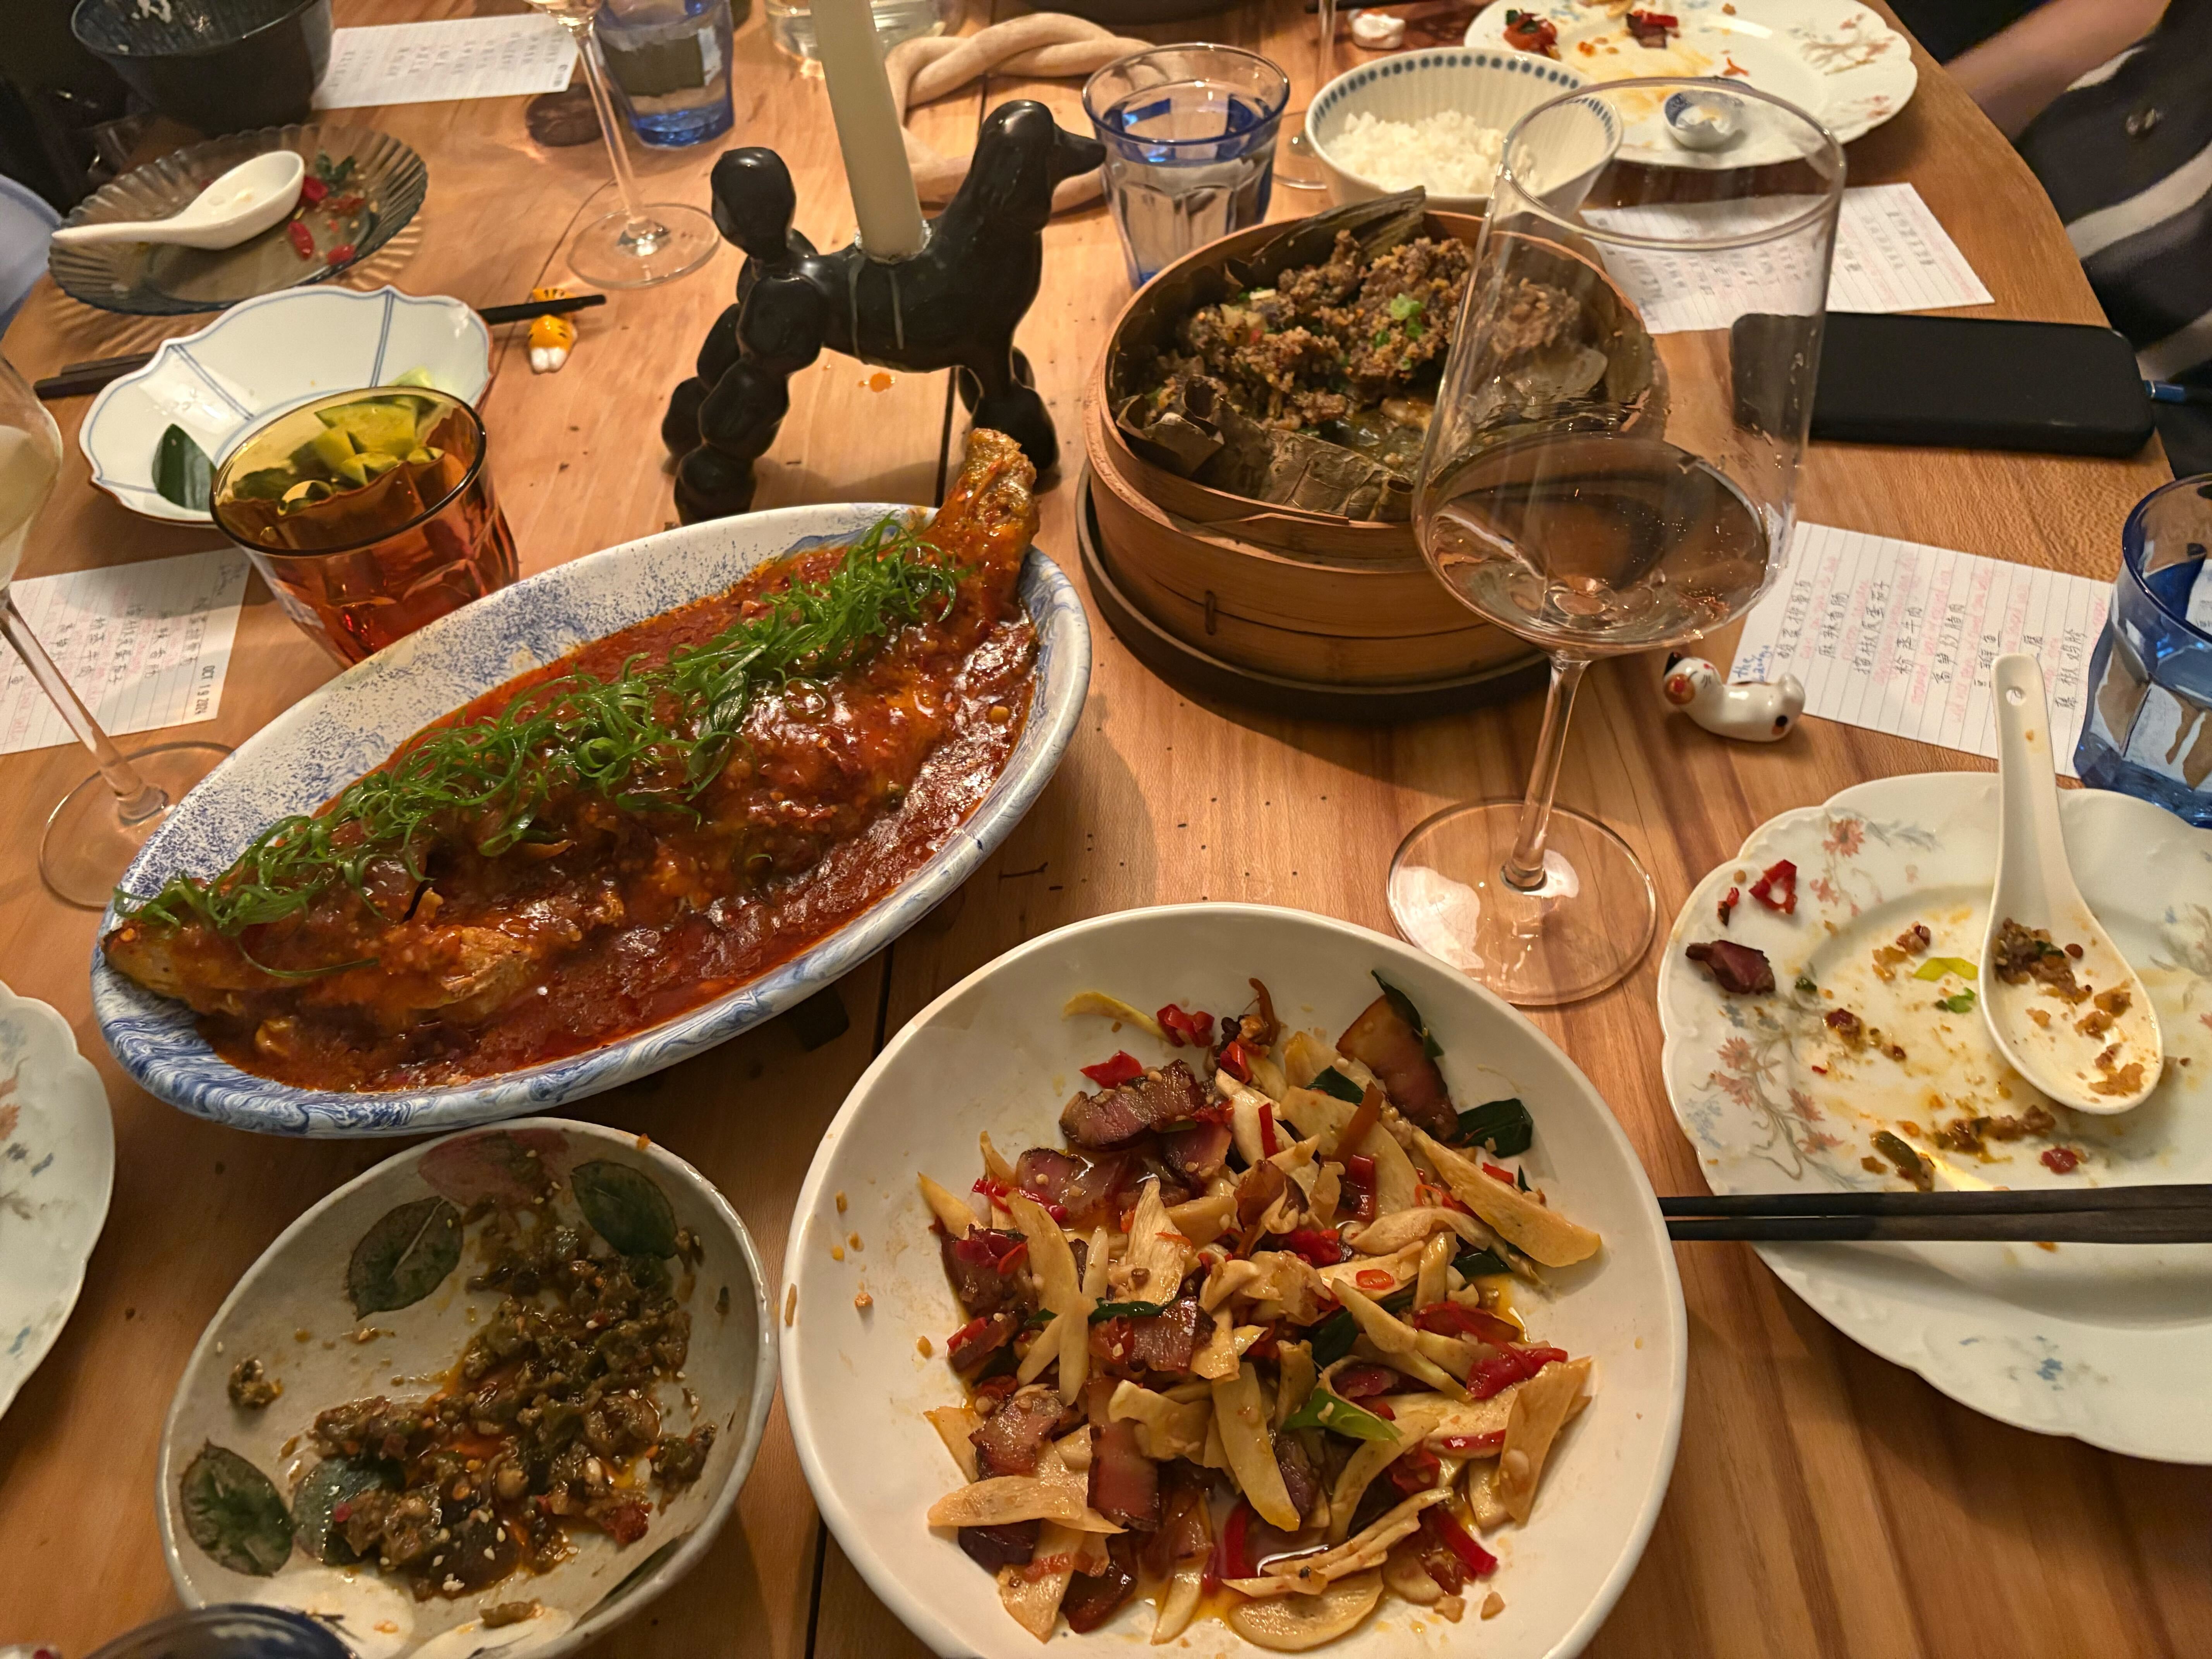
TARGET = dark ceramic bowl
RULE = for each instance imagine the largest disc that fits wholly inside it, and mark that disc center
(219, 66)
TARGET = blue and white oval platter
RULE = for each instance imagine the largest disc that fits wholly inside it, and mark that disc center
(312, 751)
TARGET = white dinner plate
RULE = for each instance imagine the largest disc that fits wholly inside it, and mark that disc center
(57, 1167)
(2111, 1343)
(1835, 59)
(994, 1054)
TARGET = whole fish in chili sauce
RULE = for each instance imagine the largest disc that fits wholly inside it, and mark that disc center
(607, 841)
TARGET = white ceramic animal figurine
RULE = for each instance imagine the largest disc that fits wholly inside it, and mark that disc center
(1755, 711)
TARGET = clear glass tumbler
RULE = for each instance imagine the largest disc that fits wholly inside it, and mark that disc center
(419, 532)
(670, 63)
(1189, 133)
(2147, 729)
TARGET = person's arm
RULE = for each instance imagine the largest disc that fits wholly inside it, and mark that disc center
(2015, 73)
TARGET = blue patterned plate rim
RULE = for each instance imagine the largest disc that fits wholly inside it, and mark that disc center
(154, 1038)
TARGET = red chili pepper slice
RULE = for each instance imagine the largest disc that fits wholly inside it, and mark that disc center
(1497, 1174)
(340, 253)
(303, 239)
(1373, 1278)
(1196, 1027)
(1323, 1249)
(1231, 1559)
(313, 189)
(1479, 1562)
(1111, 1073)
(1415, 1470)
(2060, 1160)
(1729, 900)
(1472, 1445)
(990, 1187)
(1450, 1319)
(1506, 1367)
(1233, 1061)
(1268, 1145)
(1776, 887)
(967, 1333)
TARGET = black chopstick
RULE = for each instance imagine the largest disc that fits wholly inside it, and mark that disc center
(77, 380)
(2041, 1201)
(2102, 1215)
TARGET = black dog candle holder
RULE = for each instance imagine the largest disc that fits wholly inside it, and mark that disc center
(955, 305)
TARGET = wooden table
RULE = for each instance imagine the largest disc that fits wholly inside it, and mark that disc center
(1824, 1502)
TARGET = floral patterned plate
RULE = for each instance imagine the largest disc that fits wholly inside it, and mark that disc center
(2108, 1343)
(57, 1166)
(371, 1292)
(1835, 59)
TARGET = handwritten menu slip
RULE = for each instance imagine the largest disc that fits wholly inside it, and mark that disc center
(1892, 254)
(144, 645)
(430, 63)
(1899, 637)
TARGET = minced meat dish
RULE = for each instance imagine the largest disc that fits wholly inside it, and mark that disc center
(1330, 340)
(543, 1428)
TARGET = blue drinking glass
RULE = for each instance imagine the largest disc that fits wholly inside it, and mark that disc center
(670, 63)
(2147, 729)
(1189, 133)
(237, 1630)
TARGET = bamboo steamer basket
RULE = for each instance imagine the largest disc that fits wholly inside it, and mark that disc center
(1310, 596)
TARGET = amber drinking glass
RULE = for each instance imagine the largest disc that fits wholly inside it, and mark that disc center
(366, 535)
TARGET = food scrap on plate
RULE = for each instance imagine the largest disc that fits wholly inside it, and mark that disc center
(1247, 1342)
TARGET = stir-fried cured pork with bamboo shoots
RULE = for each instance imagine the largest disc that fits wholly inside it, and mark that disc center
(1249, 1345)
(634, 830)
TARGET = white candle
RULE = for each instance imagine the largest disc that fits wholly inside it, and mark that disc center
(884, 203)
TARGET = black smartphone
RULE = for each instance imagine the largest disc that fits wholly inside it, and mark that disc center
(1958, 383)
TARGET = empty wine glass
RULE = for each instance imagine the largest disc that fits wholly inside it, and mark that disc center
(639, 244)
(1610, 468)
(100, 825)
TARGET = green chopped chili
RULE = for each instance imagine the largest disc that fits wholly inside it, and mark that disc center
(1333, 1083)
(1324, 1410)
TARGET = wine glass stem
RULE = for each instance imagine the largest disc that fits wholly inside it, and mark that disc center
(1326, 60)
(1524, 866)
(135, 799)
(636, 226)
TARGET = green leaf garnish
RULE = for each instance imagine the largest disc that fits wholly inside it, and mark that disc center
(1806, 985)
(404, 1256)
(650, 740)
(234, 1512)
(182, 471)
(1936, 967)
(1334, 1337)
(1324, 1410)
(1402, 1005)
(1479, 1264)
(1333, 1083)
(1961, 1004)
(1106, 1310)
(1403, 305)
(1503, 1126)
(624, 1207)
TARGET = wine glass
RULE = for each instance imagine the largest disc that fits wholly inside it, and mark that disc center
(1295, 165)
(639, 244)
(1610, 467)
(100, 825)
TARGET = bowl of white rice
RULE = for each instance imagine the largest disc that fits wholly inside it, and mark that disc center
(1437, 119)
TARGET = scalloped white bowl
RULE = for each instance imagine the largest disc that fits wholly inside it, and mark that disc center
(322, 742)
(263, 356)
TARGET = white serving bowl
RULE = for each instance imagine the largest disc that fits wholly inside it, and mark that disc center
(263, 356)
(293, 1312)
(1496, 89)
(993, 1053)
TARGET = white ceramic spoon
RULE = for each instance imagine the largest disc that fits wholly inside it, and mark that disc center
(2041, 1033)
(245, 202)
